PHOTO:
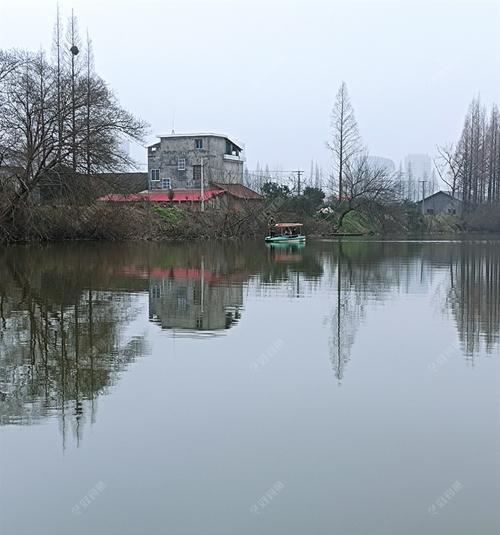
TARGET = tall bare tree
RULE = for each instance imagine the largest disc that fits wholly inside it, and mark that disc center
(345, 141)
(58, 60)
(493, 155)
(73, 45)
(89, 75)
(472, 167)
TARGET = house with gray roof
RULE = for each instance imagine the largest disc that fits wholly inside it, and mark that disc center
(440, 202)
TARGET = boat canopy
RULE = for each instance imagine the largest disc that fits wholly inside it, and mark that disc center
(285, 225)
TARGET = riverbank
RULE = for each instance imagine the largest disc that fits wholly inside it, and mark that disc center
(127, 221)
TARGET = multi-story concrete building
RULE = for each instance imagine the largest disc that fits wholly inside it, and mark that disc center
(178, 161)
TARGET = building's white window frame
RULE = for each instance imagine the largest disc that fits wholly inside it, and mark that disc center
(165, 181)
(198, 143)
(155, 175)
(196, 168)
(181, 164)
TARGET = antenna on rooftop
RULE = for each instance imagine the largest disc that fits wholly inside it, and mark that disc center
(173, 122)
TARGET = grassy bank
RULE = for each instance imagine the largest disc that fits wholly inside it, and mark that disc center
(135, 221)
(126, 221)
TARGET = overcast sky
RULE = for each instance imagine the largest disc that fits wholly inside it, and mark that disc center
(266, 72)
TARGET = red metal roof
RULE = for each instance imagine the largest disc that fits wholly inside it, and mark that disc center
(183, 273)
(180, 195)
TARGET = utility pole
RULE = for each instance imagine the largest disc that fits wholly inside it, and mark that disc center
(423, 194)
(299, 174)
(202, 188)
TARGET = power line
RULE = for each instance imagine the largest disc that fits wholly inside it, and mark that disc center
(261, 172)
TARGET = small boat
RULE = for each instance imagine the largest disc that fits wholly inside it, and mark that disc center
(285, 233)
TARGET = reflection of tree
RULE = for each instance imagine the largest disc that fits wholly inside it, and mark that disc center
(63, 310)
(60, 339)
(474, 296)
(346, 317)
(363, 272)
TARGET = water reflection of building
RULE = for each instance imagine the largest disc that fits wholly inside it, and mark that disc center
(195, 299)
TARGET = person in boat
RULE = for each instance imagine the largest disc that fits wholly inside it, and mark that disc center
(271, 224)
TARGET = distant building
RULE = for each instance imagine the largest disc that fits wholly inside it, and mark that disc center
(418, 166)
(417, 179)
(440, 202)
(378, 162)
(178, 161)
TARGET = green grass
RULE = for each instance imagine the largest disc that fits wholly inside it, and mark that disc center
(355, 222)
(171, 215)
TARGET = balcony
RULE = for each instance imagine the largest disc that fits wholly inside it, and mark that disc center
(233, 158)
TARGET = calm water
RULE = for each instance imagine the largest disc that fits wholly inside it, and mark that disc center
(348, 388)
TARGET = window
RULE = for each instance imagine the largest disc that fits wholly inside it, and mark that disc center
(197, 294)
(155, 175)
(231, 149)
(430, 211)
(198, 143)
(196, 172)
(166, 183)
(181, 164)
(156, 292)
(181, 298)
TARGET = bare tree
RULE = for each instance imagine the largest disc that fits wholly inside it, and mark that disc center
(73, 45)
(449, 166)
(9, 61)
(28, 118)
(89, 74)
(346, 142)
(493, 155)
(365, 187)
(44, 127)
(472, 167)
